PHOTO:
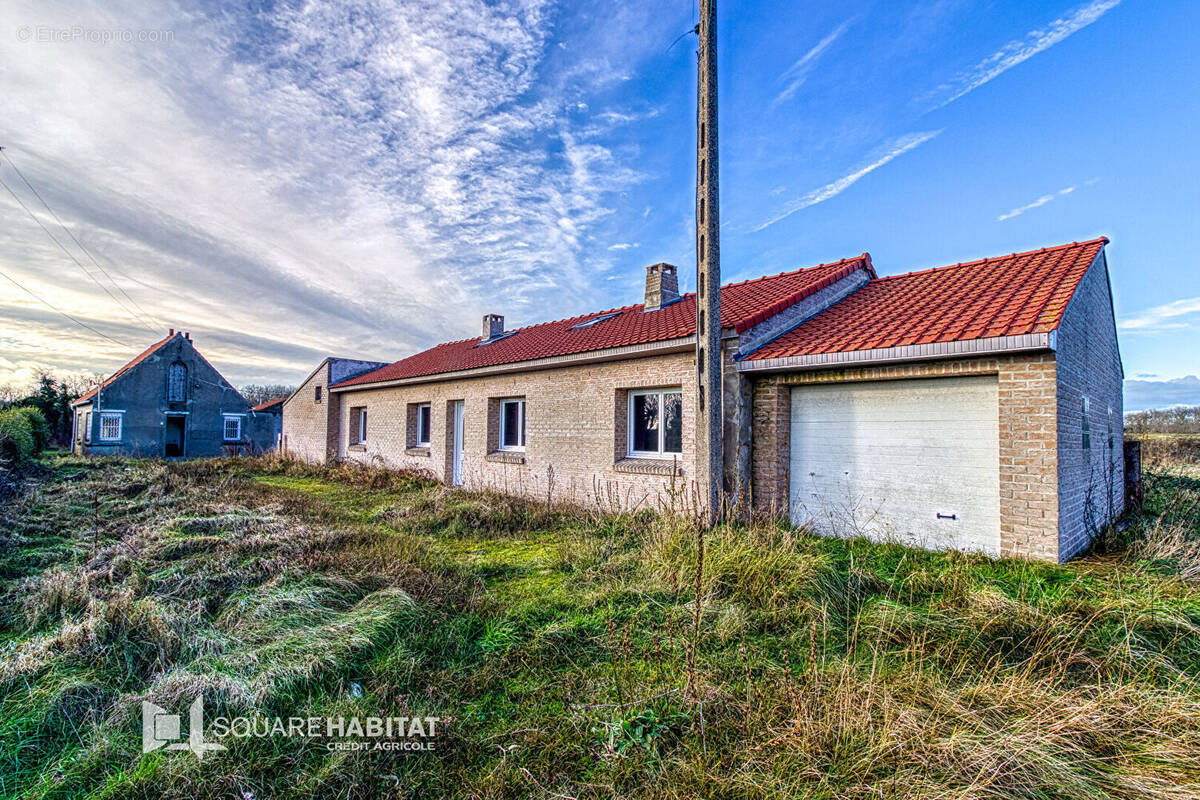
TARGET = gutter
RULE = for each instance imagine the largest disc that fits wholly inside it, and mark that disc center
(642, 350)
(1028, 342)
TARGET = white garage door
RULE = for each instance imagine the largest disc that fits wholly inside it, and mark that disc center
(912, 461)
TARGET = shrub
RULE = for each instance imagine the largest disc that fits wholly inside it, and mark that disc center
(38, 426)
(17, 441)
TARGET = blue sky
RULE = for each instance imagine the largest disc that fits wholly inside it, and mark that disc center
(368, 178)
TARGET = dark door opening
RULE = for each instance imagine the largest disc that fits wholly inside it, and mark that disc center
(173, 440)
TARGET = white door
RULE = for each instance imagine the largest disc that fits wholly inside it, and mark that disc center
(456, 476)
(914, 461)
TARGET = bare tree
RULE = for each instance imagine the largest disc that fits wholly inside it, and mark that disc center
(258, 393)
(1182, 419)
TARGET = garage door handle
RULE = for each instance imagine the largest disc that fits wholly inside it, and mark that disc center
(947, 516)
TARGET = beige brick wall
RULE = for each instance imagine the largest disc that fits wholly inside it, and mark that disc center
(575, 423)
(771, 445)
(1091, 480)
(1028, 440)
(307, 432)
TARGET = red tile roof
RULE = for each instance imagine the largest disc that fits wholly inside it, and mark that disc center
(149, 351)
(1005, 296)
(743, 305)
(270, 404)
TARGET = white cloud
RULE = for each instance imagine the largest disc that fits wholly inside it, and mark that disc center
(897, 147)
(1041, 201)
(797, 73)
(1020, 50)
(623, 246)
(303, 179)
(1176, 315)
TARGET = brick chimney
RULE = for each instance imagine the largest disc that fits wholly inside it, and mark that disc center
(493, 326)
(662, 286)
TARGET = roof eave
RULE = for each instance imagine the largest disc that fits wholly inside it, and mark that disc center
(1029, 342)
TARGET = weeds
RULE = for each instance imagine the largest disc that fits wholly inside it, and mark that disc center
(573, 653)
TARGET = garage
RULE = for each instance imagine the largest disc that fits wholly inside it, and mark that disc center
(912, 461)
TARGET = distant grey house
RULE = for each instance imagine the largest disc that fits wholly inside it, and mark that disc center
(169, 402)
(273, 408)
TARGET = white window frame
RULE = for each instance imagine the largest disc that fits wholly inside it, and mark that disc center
(108, 416)
(426, 408)
(225, 420)
(660, 453)
(87, 427)
(520, 401)
(359, 423)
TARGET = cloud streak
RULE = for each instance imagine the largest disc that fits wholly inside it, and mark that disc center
(1041, 201)
(894, 149)
(1171, 316)
(797, 73)
(1021, 50)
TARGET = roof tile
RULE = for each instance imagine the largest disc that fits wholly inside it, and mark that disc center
(1010, 295)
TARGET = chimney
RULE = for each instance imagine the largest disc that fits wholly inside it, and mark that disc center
(493, 326)
(187, 335)
(662, 286)
(172, 333)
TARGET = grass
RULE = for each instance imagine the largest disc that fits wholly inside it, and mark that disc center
(556, 645)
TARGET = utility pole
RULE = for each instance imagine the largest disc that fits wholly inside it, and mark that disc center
(710, 459)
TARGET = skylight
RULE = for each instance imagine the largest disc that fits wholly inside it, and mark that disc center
(496, 338)
(587, 323)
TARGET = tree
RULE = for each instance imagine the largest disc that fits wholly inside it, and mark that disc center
(259, 393)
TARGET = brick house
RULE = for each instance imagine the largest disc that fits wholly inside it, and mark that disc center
(976, 406)
(309, 430)
(168, 402)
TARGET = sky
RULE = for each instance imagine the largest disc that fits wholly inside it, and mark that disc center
(290, 180)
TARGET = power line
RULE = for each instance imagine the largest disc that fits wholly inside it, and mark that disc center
(53, 307)
(71, 255)
(4, 153)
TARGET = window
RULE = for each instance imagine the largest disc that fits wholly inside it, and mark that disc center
(655, 422)
(177, 383)
(512, 424)
(232, 428)
(1086, 425)
(358, 425)
(87, 427)
(317, 394)
(424, 424)
(110, 427)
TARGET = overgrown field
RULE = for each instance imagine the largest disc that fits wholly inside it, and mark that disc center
(566, 653)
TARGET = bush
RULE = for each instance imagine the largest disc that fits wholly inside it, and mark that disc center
(17, 441)
(38, 426)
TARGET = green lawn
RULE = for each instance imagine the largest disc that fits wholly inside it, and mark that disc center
(563, 650)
